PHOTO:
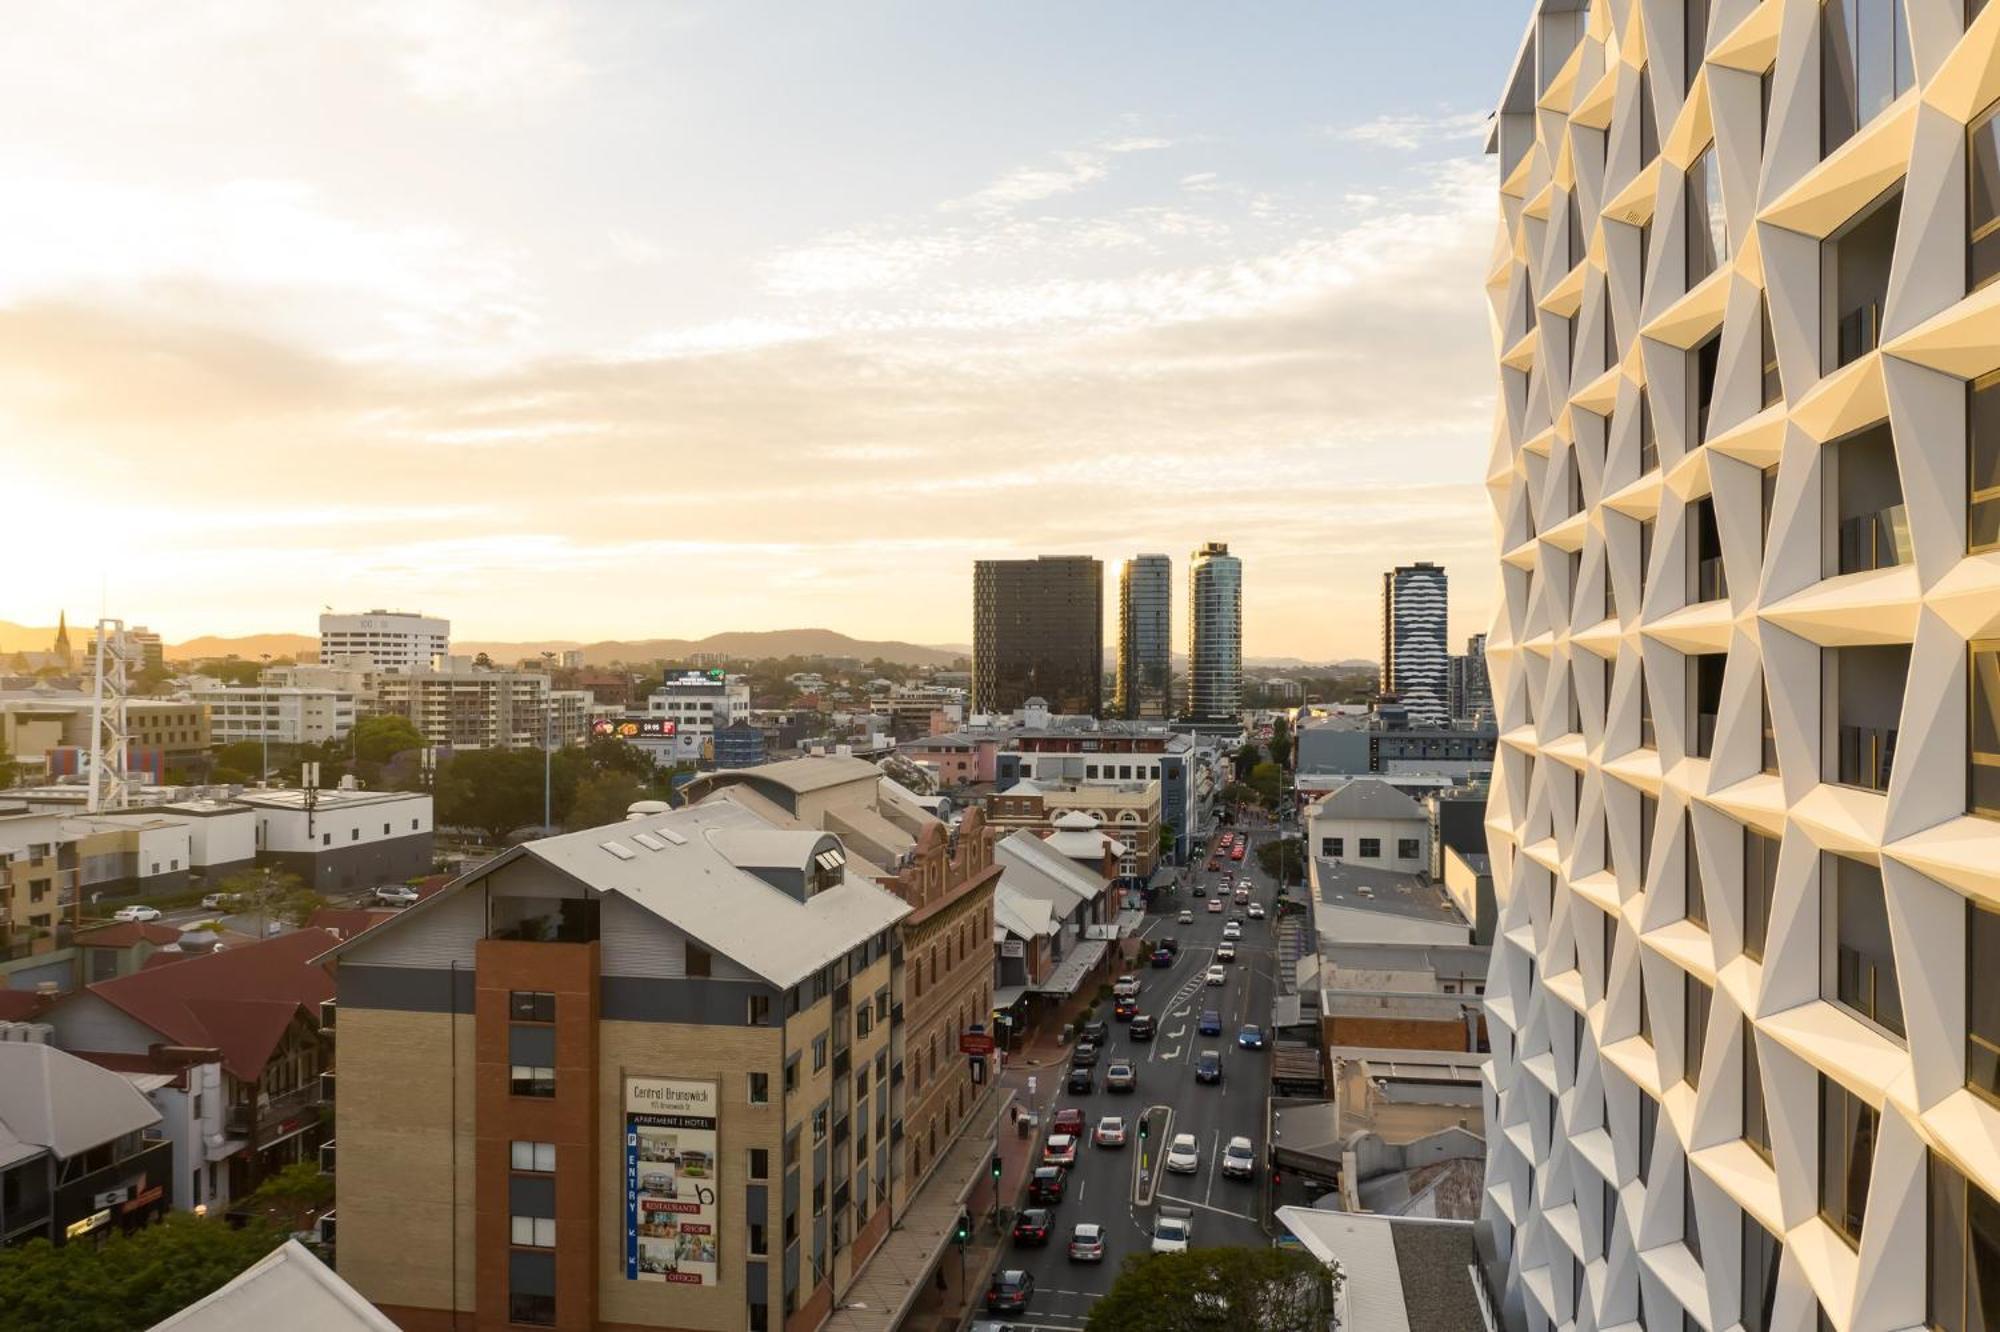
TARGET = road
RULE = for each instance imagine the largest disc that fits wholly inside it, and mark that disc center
(1105, 1186)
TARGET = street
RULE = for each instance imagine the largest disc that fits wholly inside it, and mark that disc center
(1106, 1185)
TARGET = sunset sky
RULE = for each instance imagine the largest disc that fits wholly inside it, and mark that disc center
(627, 319)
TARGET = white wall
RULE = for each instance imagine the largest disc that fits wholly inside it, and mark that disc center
(1388, 831)
(165, 850)
(222, 839)
(336, 825)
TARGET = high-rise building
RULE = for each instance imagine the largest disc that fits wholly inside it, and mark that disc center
(146, 649)
(468, 707)
(1744, 826)
(1215, 633)
(1416, 652)
(1038, 632)
(1145, 636)
(1471, 688)
(399, 641)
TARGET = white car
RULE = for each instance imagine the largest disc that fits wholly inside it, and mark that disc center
(1110, 1131)
(1125, 986)
(1185, 918)
(1217, 976)
(218, 901)
(136, 913)
(1256, 911)
(395, 894)
(1172, 1230)
(1183, 1154)
(1225, 952)
(1239, 1158)
(1232, 931)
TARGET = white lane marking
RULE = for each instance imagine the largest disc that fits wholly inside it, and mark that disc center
(1174, 1053)
(1214, 1157)
(1189, 1202)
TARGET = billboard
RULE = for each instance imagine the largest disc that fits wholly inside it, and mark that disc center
(633, 728)
(671, 1178)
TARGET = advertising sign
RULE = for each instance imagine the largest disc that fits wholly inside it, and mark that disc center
(671, 1178)
(1013, 948)
(975, 1043)
(633, 728)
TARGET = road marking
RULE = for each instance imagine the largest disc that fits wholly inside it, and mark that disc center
(1189, 1202)
(1214, 1156)
(1174, 1053)
(1083, 1184)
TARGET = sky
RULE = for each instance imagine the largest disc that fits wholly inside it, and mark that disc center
(634, 319)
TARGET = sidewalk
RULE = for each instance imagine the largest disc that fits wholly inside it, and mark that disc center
(953, 1298)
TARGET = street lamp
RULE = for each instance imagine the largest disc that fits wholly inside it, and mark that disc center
(264, 719)
(548, 733)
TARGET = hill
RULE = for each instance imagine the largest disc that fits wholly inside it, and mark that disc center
(248, 648)
(737, 643)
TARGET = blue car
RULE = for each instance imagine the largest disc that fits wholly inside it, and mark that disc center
(1210, 1024)
(1251, 1037)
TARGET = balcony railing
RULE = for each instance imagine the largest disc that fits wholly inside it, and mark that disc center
(1866, 755)
(252, 1121)
(1860, 331)
(1878, 540)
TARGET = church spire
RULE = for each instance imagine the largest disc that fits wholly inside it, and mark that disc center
(62, 652)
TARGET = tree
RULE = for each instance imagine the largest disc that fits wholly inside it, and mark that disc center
(230, 670)
(1268, 781)
(129, 1281)
(273, 894)
(1284, 860)
(603, 798)
(1247, 757)
(1281, 742)
(293, 1198)
(380, 738)
(1217, 1290)
(492, 790)
(1167, 840)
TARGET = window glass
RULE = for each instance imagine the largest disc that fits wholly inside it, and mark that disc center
(1847, 1127)
(1984, 741)
(1864, 962)
(1982, 1002)
(1756, 1115)
(1983, 199)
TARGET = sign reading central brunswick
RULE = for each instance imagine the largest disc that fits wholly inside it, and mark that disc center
(671, 1171)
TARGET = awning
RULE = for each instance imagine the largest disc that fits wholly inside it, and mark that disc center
(1070, 972)
(1163, 876)
(1129, 923)
(1285, 1011)
(1007, 996)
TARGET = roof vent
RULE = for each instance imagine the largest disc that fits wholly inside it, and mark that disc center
(650, 842)
(619, 849)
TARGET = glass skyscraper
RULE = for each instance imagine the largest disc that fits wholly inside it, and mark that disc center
(1215, 633)
(1145, 636)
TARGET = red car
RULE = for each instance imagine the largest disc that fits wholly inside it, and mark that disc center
(1124, 1009)
(1068, 1121)
(1236, 853)
(1214, 865)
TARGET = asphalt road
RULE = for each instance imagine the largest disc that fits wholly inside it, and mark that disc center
(1106, 1184)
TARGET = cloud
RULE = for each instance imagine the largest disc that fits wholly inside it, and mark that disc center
(1409, 132)
(1070, 171)
(477, 52)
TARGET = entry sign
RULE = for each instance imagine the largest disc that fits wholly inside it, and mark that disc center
(975, 1043)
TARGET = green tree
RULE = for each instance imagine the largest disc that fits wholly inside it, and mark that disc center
(603, 798)
(492, 790)
(1247, 758)
(1284, 860)
(273, 894)
(1268, 781)
(1281, 742)
(1217, 1290)
(293, 1198)
(1167, 839)
(380, 738)
(230, 670)
(129, 1281)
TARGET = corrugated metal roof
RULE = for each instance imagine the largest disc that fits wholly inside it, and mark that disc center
(289, 1288)
(51, 1099)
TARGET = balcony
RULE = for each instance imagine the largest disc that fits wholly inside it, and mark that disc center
(1872, 526)
(1866, 754)
(843, 1063)
(275, 1117)
(1858, 274)
(1878, 540)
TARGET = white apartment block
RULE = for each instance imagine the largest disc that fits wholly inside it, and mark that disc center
(398, 641)
(1745, 817)
(466, 707)
(699, 705)
(286, 715)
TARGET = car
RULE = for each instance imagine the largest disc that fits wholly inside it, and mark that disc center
(1185, 918)
(1086, 1243)
(1239, 1159)
(1142, 1027)
(1010, 1291)
(1214, 865)
(1172, 945)
(1126, 1009)
(1081, 1082)
(395, 894)
(1127, 984)
(1199, 892)
(1163, 957)
(136, 913)
(1110, 1131)
(1236, 853)
(1225, 951)
(1121, 1077)
(1060, 1150)
(1095, 1032)
(1084, 1055)
(1214, 905)
(1217, 976)
(1232, 931)
(219, 902)
(1256, 910)
(1068, 1120)
(1048, 1184)
(1208, 1067)
(1172, 1229)
(1243, 896)
(1032, 1226)
(1251, 1037)
(1209, 1023)
(1183, 1154)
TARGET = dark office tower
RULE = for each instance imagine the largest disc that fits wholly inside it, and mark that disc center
(1145, 636)
(1215, 633)
(1416, 658)
(1471, 690)
(1038, 632)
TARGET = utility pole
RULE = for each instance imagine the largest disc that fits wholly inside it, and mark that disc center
(548, 734)
(264, 719)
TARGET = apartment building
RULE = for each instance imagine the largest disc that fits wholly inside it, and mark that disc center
(1145, 637)
(1416, 657)
(469, 707)
(400, 642)
(1215, 634)
(642, 1076)
(698, 704)
(1747, 666)
(282, 714)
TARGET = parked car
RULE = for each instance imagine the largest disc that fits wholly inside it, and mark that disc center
(1080, 1082)
(1110, 1131)
(1208, 1066)
(395, 894)
(1142, 1027)
(1183, 1154)
(1010, 1291)
(1094, 1032)
(1126, 1008)
(136, 913)
(1256, 910)
(1084, 1055)
(1032, 1226)
(1068, 1120)
(1238, 1158)
(1251, 1037)
(1209, 1023)
(1048, 1184)
(1060, 1150)
(1217, 976)
(1121, 1077)
(1086, 1243)
(1226, 951)
(1172, 1229)
(1185, 918)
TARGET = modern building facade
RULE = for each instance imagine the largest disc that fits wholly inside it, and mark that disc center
(399, 641)
(1743, 829)
(1038, 632)
(469, 707)
(1416, 650)
(290, 716)
(699, 704)
(1471, 687)
(1215, 633)
(1145, 637)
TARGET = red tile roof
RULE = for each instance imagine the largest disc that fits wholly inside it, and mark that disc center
(125, 933)
(20, 1005)
(239, 1000)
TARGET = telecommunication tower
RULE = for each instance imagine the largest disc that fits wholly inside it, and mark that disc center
(110, 740)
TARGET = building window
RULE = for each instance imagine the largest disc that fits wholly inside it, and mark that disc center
(1864, 964)
(1707, 233)
(531, 1288)
(1983, 742)
(760, 1089)
(1690, 1227)
(1695, 898)
(1701, 385)
(1332, 847)
(1774, 388)
(1760, 885)
(527, 1080)
(1407, 848)
(534, 1232)
(700, 962)
(758, 1010)
(1964, 1274)
(819, 1053)
(531, 1005)
(1847, 1132)
(819, 1127)
(535, 1156)
(1756, 1115)
(1649, 1124)
(1864, 65)
(1982, 1005)
(1759, 1292)
(1371, 848)
(1983, 199)
(1770, 734)
(1649, 448)
(1696, 1000)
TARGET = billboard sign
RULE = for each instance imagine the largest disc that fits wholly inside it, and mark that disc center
(633, 728)
(671, 1180)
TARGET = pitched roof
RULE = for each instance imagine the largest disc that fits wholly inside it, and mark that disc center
(1032, 867)
(1021, 914)
(1402, 1273)
(1367, 798)
(812, 773)
(287, 1288)
(126, 933)
(21, 1005)
(239, 1000)
(54, 1101)
(346, 922)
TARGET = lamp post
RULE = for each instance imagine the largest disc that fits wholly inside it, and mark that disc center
(548, 734)
(264, 720)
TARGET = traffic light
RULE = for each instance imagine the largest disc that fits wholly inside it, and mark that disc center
(1145, 1127)
(996, 1167)
(964, 1232)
